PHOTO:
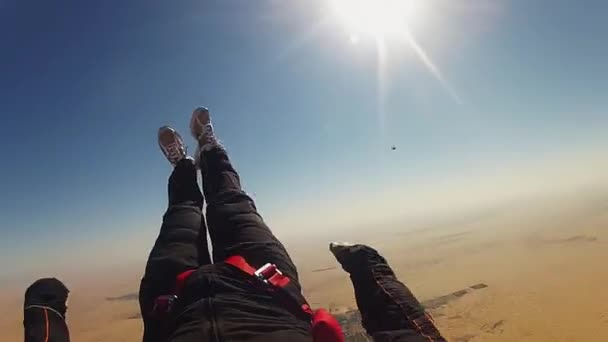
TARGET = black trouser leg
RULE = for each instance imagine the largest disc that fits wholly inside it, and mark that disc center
(389, 310)
(235, 227)
(177, 247)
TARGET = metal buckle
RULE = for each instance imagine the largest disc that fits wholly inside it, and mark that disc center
(163, 305)
(266, 272)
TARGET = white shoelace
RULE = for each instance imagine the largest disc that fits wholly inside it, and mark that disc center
(174, 151)
(207, 139)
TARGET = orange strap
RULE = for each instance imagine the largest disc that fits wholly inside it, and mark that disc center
(46, 320)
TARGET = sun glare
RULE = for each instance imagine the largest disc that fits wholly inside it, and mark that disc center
(379, 18)
(383, 19)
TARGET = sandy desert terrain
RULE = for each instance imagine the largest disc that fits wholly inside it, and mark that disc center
(532, 271)
(543, 265)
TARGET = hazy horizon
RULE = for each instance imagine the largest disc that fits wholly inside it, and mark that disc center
(538, 184)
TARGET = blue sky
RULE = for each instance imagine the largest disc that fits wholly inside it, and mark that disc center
(84, 86)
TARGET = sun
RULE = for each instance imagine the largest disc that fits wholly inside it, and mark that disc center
(378, 18)
(386, 20)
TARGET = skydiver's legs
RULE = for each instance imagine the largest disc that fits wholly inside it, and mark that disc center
(235, 227)
(177, 247)
(243, 310)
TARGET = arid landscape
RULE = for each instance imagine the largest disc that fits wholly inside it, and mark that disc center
(532, 271)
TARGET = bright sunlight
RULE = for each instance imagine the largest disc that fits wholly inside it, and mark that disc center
(383, 19)
(379, 18)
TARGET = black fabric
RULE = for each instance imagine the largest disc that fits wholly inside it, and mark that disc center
(235, 227)
(178, 247)
(44, 311)
(221, 303)
(389, 310)
(218, 302)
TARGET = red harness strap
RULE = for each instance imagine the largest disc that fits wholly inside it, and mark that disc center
(181, 279)
(164, 304)
(325, 327)
(268, 273)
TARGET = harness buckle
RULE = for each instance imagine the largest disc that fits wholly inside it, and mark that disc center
(163, 305)
(266, 272)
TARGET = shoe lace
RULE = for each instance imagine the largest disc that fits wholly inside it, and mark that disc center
(207, 139)
(175, 151)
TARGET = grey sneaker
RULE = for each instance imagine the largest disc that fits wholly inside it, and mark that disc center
(202, 129)
(339, 247)
(171, 144)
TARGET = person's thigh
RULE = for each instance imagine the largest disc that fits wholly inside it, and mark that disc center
(235, 226)
(240, 230)
(176, 250)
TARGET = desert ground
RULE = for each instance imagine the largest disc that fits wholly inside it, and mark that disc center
(539, 271)
(524, 271)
